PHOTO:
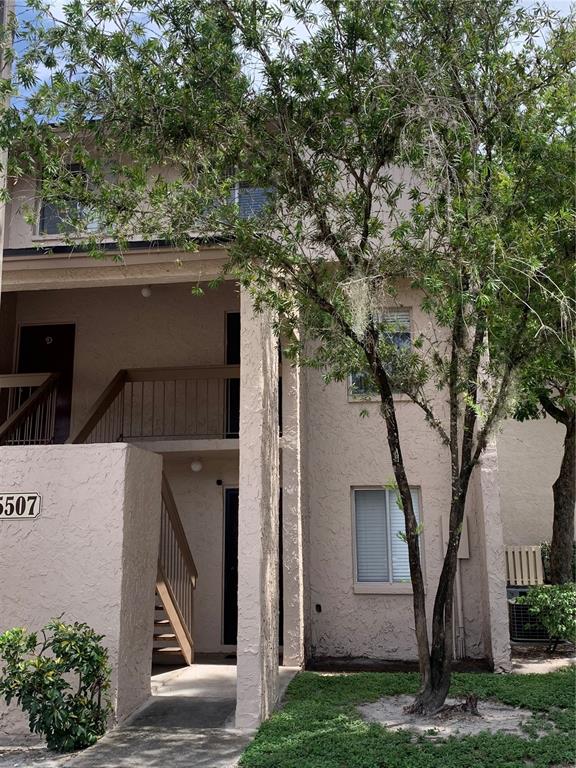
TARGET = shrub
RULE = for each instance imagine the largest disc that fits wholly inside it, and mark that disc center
(61, 682)
(555, 608)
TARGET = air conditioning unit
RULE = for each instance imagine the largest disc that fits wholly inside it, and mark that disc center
(524, 628)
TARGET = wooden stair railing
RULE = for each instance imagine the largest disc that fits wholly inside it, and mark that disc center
(105, 421)
(176, 571)
(33, 421)
(177, 574)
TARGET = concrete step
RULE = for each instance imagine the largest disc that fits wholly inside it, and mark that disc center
(169, 655)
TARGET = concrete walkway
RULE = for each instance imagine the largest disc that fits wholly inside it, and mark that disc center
(189, 721)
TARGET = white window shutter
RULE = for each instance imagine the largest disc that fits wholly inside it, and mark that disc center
(400, 563)
(371, 536)
(399, 318)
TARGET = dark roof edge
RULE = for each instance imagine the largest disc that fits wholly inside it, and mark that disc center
(134, 245)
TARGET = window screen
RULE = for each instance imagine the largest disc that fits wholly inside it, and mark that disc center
(397, 332)
(379, 525)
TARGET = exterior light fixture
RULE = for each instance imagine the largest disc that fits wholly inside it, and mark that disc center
(196, 465)
(146, 291)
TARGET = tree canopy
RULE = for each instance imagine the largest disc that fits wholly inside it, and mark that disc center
(400, 143)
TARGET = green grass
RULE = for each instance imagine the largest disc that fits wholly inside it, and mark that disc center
(319, 727)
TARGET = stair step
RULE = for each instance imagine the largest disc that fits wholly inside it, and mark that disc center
(164, 636)
(168, 649)
(161, 622)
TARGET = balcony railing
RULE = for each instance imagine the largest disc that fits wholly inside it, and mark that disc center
(166, 404)
(28, 408)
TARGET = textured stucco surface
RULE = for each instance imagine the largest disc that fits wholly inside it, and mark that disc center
(171, 328)
(258, 537)
(292, 516)
(345, 450)
(200, 502)
(327, 449)
(529, 456)
(90, 555)
(488, 515)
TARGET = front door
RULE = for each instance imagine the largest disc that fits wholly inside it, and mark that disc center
(230, 566)
(50, 349)
(230, 633)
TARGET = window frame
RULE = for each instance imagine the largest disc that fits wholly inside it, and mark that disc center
(40, 235)
(382, 587)
(375, 398)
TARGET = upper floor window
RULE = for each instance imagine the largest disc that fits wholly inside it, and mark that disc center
(397, 331)
(69, 214)
(381, 551)
(251, 200)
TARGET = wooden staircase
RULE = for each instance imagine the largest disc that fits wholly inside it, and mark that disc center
(165, 647)
(27, 405)
(175, 584)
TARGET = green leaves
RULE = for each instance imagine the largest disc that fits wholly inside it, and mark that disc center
(554, 605)
(62, 683)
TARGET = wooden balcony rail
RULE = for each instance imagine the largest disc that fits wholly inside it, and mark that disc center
(165, 403)
(177, 574)
(524, 565)
(29, 400)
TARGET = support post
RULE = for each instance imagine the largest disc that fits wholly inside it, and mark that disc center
(292, 511)
(496, 631)
(258, 527)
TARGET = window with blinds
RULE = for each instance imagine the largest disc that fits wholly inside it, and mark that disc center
(251, 200)
(381, 551)
(64, 217)
(397, 331)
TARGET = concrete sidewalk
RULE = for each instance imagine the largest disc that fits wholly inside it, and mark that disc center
(189, 721)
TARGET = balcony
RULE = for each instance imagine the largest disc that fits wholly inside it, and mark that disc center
(140, 405)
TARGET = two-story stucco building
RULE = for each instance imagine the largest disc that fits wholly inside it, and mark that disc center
(172, 449)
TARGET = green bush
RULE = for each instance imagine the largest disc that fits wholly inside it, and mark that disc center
(555, 608)
(61, 682)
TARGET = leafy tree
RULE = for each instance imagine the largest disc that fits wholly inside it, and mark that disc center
(548, 375)
(397, 138)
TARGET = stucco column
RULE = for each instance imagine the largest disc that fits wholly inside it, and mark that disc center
(292, 509)
(89, 556)
(258, 528)
(496, 631)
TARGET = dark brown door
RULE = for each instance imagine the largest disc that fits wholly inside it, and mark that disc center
(50, 349)
(230, 566)
(231, 569)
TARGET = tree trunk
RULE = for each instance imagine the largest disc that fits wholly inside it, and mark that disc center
(388, 412)
(433, 694)
(564, 490)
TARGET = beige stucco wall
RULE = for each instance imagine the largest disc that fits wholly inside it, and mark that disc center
(118, 328)
(18, 233)
(200, 502)
(529, 456)
(344, 450)
(91, 555)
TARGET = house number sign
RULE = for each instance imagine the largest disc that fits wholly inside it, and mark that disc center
(23, 506)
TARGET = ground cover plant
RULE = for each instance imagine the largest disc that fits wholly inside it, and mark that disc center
(319, 726)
